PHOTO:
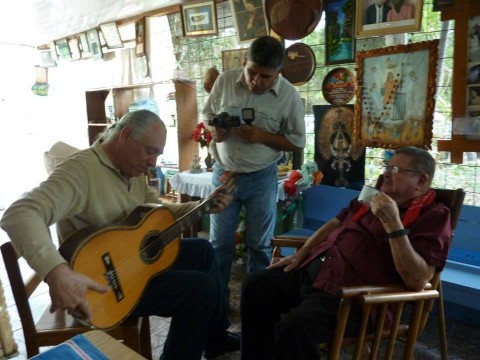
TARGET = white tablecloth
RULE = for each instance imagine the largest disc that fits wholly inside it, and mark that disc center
(200, 184)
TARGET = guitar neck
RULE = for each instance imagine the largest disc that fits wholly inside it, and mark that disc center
(192, 217)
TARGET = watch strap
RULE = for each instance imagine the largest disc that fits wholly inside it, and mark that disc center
(398, 233)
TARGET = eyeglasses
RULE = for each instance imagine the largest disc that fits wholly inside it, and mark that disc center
(398, 169)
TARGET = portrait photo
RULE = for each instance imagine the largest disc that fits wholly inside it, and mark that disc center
(474, 39)
(383, 17)
(474, 96)
(233, 59)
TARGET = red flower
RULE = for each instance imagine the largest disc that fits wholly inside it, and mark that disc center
(202, 135)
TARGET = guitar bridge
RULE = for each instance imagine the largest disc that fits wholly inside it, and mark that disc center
(112, 278)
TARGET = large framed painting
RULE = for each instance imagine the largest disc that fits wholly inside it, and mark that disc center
(249, 19)
(392, 17)
(339, 31)
(395, 95)
(341, 161)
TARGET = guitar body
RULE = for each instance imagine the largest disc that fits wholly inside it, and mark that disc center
(125, 257)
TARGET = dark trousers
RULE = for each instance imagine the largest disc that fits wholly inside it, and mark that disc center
(189, 293)
(284, 317)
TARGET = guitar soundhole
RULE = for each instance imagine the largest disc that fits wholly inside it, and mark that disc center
(151, 247)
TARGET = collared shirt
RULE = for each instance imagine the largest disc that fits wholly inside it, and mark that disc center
(86, 189)
(279, 110)
(358, 252)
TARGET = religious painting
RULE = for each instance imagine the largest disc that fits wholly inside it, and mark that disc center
(249, 19)
(395, 96)
(380, 17)
(339, 32)
(337, 156)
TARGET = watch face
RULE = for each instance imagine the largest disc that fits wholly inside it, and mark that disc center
(338, 86)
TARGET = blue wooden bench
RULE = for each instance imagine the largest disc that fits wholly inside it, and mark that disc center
(461, 275)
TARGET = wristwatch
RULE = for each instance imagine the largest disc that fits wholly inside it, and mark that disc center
(398, 233)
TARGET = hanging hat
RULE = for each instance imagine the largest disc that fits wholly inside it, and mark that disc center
(293, 19)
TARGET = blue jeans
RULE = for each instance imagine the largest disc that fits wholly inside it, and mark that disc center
(257, 191)
(191, 294)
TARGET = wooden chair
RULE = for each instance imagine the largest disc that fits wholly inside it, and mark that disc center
(53, 329)
(407, 325)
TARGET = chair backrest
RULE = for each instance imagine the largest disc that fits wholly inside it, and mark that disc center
(52, 329)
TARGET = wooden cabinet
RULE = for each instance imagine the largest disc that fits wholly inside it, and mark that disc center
(107, 105)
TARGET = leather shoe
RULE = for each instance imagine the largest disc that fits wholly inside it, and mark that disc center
(228, 342)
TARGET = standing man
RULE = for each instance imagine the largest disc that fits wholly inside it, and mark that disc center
(377, 12)
(248, 154)
(101, 186)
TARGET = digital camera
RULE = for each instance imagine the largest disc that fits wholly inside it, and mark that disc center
(224, 120)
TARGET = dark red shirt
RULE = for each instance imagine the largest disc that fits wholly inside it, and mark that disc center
(358, 253)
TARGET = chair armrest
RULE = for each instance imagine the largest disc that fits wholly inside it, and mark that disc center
(353, 291)
(289, 241)
(400, 297)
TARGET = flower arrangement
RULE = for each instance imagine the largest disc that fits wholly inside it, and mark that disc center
(202, 135)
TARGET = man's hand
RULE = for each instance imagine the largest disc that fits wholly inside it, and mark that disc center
(249, 133)
(222, 199)
(386, 209)
(290, 262)
(218, 134)
(68, 288)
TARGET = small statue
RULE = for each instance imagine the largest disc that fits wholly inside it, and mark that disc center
(195, 167)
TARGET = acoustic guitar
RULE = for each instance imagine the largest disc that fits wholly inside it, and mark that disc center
(125, 256)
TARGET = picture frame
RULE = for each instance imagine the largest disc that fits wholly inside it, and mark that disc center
(249, 23)
(339, 31)
(408, 19)
(199, 19)
(63, 49)
(111, 35)
(395, 95)
(84, 47)
(94, 44)
(340, 159)
(73, 44)
(233, 59)
(140, 37)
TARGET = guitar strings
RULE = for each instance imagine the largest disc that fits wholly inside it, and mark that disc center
(127, 268)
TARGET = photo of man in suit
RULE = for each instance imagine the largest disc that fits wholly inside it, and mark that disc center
(377, 12)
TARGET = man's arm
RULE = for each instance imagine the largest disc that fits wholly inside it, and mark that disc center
(293, 261)
(413, 268)
(252, 134)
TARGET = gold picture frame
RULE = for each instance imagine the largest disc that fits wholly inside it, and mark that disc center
(395, 95)
(233, 59)
(408, 19)
(199, 19)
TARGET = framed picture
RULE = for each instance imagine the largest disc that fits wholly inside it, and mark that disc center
(233, 59)
(339, 31)
(405, 16)
(63, 50)
(74, 46)
(111, 35)
(340, 159)
(250, 21)
(94, 44)
(140, 37)
(199, 19)
(395, 95)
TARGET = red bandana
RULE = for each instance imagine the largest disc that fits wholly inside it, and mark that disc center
(412, 212)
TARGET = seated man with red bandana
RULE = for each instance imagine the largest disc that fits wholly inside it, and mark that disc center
(402, 236)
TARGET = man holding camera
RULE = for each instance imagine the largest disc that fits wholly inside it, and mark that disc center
(254, 115)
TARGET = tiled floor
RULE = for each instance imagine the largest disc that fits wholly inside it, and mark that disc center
(463, 341)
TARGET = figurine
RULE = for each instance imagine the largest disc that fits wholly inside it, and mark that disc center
(195, 167)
